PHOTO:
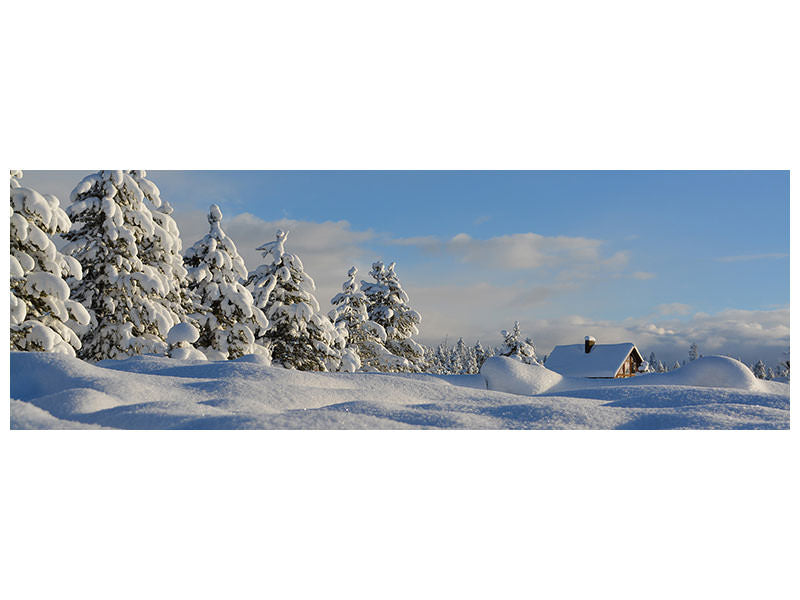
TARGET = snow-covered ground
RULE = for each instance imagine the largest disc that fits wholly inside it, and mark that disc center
(146, 392)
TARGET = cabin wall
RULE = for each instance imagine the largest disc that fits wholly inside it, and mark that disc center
(628, 368)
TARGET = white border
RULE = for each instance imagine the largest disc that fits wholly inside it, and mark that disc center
(386, 514)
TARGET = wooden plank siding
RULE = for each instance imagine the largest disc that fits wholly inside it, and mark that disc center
(630, 367)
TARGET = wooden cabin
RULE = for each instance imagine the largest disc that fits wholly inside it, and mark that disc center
(595, 361)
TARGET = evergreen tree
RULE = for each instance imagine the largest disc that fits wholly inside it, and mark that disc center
(459, 357)
(677, 365)
(440, 363)
(693, 352)
(299, 336)
(515, 347)
(42, 314)
(388, 307)
(759, 370)
(228, 318)
(480, 355)
(163, 251)
(783, 368)
(364, 337)
(127, 293)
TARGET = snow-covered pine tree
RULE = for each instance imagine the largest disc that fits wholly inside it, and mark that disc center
(693, 352)
(388, 307)
(677, 365)
(480, 355)
(437, 360)
(228, 317)
(783, 368)
(163, 251)
(42, 314)
(515, 347)
(760, 370)
(126, 292)
(299, 336)
(462, 363)
(364, 337)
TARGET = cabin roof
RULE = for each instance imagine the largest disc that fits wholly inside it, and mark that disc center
(604, 360)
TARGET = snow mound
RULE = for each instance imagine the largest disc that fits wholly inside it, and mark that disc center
(505, 374)
(187, 353)
(182, 332)
(27, 416)
(155, 392)
(256, 359)
(76, 401)
(708, 371)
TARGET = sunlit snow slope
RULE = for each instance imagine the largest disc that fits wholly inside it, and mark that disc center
(56, 391)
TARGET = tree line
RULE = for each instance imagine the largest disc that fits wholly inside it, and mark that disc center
(122, 286)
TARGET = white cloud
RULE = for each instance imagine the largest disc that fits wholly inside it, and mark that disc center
(750, 257)
(749, 334)
(480, 311)
(522, 251)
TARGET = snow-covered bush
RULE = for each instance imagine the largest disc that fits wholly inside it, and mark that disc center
(514, 346)
(228, 317)
(299, 336)
(42, 313)
(127, 285)
(180, 340)
(388, 307)
(365, 338)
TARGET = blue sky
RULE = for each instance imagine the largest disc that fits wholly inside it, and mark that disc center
(660, 258)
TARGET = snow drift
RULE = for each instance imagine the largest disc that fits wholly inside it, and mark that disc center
(708, 371)
(505, 374)
(52, 391)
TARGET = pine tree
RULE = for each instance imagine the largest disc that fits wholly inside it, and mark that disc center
(653, 362)
(126, 292)
(515, 347)
(42, 314)
(480, 356)
(677, 365)
(438, 360)
(693, 352)
(364, 337)
(388, 307)
(299, 336)
(163, 251)
(228, 318)
(759, 370)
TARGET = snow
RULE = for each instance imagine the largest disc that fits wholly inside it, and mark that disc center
(505, 374)
(604, 360)
(150, 392)
(182, 332)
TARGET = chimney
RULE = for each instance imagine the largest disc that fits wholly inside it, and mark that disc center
(588, 342)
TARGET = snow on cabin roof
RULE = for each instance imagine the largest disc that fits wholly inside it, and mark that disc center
(603, 361)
